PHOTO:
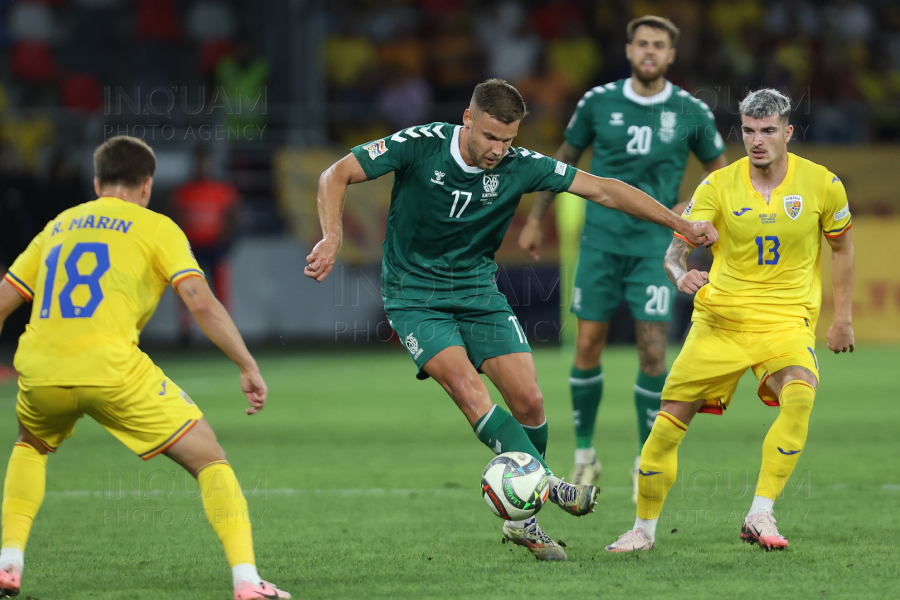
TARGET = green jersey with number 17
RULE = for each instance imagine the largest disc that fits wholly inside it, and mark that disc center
(447, 218)
(645, 143)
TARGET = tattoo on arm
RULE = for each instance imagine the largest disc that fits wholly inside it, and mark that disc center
(567, 154)
(191, 292)
(676, 259)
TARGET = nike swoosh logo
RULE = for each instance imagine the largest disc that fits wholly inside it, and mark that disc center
(272, 596)
(787, 452)
(742, 211)
(649, 473)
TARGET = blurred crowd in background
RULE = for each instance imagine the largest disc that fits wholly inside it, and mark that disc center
(417, 61)
(74, 72)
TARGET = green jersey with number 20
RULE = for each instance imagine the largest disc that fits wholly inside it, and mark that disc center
(447, 218)
(643, 141)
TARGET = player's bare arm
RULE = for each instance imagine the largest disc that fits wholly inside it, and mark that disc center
(10, 300)
(675, 265)
(531, 235)
(708, 167)
(333, 185)
(620, 196)
(216, 323)
(843, 272)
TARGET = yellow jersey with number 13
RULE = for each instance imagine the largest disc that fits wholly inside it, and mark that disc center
(766, 272)
(95, 275)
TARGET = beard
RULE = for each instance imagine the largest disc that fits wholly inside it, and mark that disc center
(648, 78)
(480, 162)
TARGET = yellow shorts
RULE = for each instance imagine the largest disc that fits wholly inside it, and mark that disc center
(714, 359)
(148, 414)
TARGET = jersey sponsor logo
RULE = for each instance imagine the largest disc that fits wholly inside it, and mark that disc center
(767, 218)
(616, 118)
(687, 209)
(793, 205)
(844, 212)
(738, 213)
(560, 168)
(491, 183)
(412, 344)
(438, 176)
(667, 126)
(376, 149)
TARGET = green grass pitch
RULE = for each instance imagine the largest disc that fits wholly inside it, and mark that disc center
(363, 483)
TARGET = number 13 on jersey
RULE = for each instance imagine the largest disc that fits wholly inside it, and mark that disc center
(76, 278)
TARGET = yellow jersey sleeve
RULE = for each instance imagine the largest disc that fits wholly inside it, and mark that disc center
(174, 259)
(704, 206)
(835, 216)
(23, 274)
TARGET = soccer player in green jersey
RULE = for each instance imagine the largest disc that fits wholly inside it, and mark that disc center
(456, 188)
(642, 129)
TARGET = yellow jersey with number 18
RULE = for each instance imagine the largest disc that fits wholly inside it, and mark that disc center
(95, 275)
(766, 272)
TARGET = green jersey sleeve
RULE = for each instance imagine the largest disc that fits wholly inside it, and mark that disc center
(398, 151)
(706, 142)
(542, 173)
(580, 130)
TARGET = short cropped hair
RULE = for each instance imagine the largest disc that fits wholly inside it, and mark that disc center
(766, 103)
(656, 23)
(499, 99)
(124, 160)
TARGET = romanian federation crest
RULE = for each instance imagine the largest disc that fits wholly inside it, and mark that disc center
(793, 206)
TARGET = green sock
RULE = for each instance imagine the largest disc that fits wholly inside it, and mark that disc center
(587, 389)
(647, 393)
(501, 433)
(538, 436)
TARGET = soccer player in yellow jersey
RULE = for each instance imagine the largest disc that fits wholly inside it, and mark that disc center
(756, 308)
(95, 275)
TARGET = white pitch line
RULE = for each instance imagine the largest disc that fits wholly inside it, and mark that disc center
(290, 492)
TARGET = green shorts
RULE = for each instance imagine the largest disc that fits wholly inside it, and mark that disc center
(603, 278)
(484, 325)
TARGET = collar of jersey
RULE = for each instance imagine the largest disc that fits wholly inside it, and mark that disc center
(646, 100)
(454, 150)
(788, 178)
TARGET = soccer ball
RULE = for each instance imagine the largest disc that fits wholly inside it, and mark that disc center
(515, 485)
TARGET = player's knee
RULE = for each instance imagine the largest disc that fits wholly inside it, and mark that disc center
(463, 387)
(530, 406)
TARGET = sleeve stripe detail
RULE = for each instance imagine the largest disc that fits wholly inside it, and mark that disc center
(836, 233)
(684, 239)
(179, 273)
(186, 276)
(19, 286)
(839, 228)
(20, 282)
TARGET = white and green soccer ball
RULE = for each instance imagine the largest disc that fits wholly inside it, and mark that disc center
(515, 485)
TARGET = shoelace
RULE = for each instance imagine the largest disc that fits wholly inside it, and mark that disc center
(765, 522)
(535, 530)
(631, 535)
(566, 492)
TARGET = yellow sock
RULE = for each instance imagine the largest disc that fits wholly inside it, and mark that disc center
(659, 464)
(786, 438)
(226, 509)
(23, 493)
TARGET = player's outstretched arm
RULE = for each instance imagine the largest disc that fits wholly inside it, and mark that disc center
(10, 300)
(675, 265)
(333, 185)
(843, 271)
(531, 236)
(216, 323)
(613, 193)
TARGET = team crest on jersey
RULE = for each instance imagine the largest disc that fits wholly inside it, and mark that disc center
(491, 183)
(667, 126)
(375, 149)
(412, 344)
(616, 118)
(793, 206)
